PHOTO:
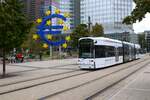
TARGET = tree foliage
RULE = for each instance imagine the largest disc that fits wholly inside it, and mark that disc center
(13, 24)
(142, 40)
(97, 30)
(30, 43)
(82, 31)
(141, 9)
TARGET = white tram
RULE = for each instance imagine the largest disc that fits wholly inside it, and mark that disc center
(100, 52)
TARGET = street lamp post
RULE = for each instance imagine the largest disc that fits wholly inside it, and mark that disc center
(89, 24)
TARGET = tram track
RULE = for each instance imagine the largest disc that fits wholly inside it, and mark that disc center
(35, 69)
(115, 83)
(32, 79)
(94, 80)
(42, 83)
(47, 82)
(54, 67)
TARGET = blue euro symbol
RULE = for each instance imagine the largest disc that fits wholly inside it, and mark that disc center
(43, 29)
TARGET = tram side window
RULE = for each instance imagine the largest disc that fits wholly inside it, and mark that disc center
(137, 51)
(120, 51)
(132, 51)
(126, 49)
(99, 51)
(110, 51)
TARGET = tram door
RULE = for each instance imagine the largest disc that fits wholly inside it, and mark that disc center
(116, 54)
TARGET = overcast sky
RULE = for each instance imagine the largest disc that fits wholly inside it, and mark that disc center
(143, 25)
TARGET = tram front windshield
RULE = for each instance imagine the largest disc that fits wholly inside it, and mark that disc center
(86, 48)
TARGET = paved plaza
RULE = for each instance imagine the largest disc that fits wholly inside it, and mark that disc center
(63, 80)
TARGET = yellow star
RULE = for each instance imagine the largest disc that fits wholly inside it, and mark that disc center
(48, 12)
(35, 36)
(66, 14)
(66, 28)
(49, 37)
(64, 45)
(57, 11)
(45, 45)
(48, 22)
(68, 38)
(39, 20)
(60, 21)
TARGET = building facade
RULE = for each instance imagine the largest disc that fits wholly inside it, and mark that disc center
(109, 13)
(33, 8)
(73, 7)
(70, 6)
(125, 36)
(147, 37)
(76, 12)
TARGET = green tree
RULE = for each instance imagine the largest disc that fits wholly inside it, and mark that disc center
(30, 43)
(13, 26)
(97, 30)
(80, 31)
(141, 9)
(142, 40)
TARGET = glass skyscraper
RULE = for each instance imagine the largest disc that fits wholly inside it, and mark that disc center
(147, 37)
(66, 6)
(109, 13)
(70, 6)
(33, 8)
(73, 7)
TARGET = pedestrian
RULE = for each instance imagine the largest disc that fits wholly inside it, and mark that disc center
(22, 59)
(40, 55)
(16, 58)
(69, 51)
(19, 57)
(12, 59)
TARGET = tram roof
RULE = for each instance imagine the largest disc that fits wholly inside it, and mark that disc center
(110, 40)
(101, 39)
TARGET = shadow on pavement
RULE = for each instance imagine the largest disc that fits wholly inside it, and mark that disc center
(8, 76)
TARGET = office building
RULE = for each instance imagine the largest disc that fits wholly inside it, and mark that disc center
(33, 8)
(125, 36)
(109, 13)
(70, 6)
(147, 37)
(76, 12)
(73, 7)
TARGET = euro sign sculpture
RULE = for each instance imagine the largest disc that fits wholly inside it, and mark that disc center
(46, 30)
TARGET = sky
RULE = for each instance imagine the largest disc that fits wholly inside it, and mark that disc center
(143, 25)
